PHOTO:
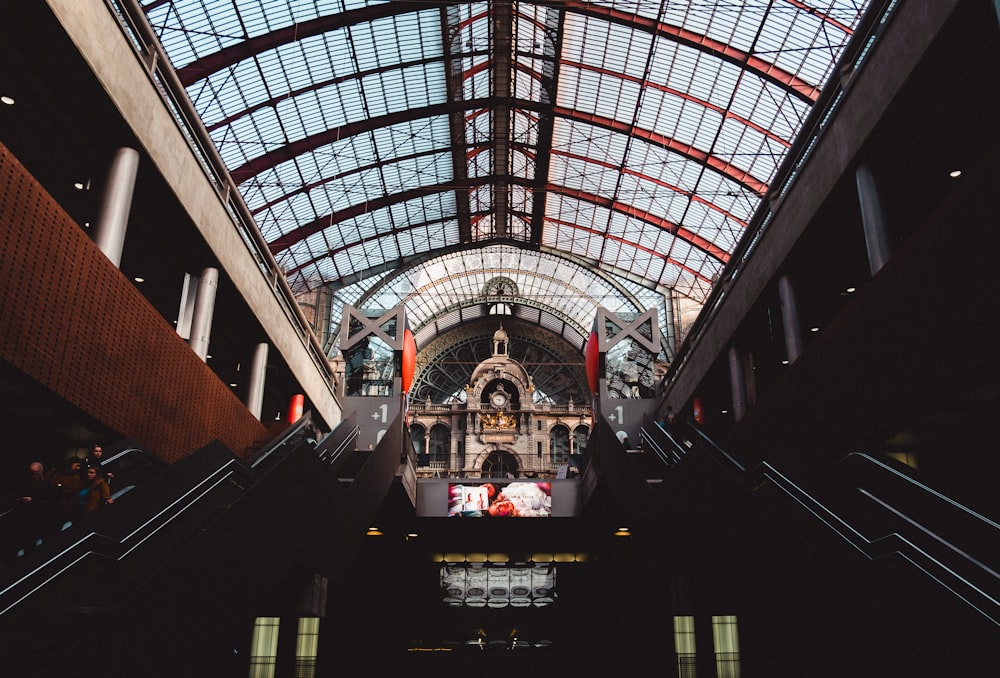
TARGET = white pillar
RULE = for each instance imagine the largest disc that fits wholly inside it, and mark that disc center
(258, 371)
(737, 383)
(204, 308)
(790, 319)
(871, 217)
(116, 203)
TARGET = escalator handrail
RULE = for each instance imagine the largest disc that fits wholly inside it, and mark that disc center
(923, 490)
(649, 441)
(109, 546)
(891, 544)
(281, 440)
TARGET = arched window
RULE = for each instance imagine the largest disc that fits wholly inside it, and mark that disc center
(417, 433)
(440, 446)
(500, 464)
(559, 444)
(581, 436)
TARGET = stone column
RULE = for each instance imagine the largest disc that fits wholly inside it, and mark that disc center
(204, 309)
(255, 389)
(116, 203)
(790, 319)
(737, 383)
(871, 217)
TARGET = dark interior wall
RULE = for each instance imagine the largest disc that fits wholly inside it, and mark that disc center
(70, 320)
(917, 346)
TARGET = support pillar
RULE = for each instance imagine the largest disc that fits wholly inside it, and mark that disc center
(116, 203)
(871, 217)
(204, 309)
(737, 383)
(258, 370)
(790, 319)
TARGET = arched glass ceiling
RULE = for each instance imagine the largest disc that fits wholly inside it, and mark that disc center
(632, 138)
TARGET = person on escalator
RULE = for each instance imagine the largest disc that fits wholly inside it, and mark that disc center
(669, 421)
(94, 494)
(67, 480)
(94, 459)
(33, 514)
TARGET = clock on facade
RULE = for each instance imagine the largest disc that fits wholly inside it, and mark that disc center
(498, 399)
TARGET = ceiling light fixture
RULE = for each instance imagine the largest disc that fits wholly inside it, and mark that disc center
(814, 329)
(139, 279)
(9, 101)
(955, 174)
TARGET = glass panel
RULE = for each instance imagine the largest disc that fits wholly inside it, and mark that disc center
(264, 647)
(727, 646)
(307, 647)
(684, 646)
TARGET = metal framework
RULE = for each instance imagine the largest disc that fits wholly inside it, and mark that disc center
(633, 140)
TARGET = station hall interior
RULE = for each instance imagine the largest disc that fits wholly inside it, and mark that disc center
(320, 275)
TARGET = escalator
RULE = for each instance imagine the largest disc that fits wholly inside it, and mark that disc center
(916, 572)
(174, 568)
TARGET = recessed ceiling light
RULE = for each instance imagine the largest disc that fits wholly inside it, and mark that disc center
(233, 385)
(78, 185)
(7, 100)
(814, 329)
(954, 174)
(851, 290)
(139, 279)
(784, 362)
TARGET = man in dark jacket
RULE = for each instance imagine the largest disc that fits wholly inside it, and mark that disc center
(34, 512)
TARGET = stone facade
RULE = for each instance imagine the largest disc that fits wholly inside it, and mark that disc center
(499, 430)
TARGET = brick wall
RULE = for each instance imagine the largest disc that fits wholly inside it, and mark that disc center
(70, 320)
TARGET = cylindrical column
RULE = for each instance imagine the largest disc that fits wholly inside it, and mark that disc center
(790, 319)
(871, 217)
(295, 407)
(258, 370)
(737, 383)
(116, 203)
(204, 309)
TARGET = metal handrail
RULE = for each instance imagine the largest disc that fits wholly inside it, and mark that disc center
(110, 547)
(983, 594)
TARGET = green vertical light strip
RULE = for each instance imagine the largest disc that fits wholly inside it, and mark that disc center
(307, 647)
(727, 646)
(684, 645)
(264, 647)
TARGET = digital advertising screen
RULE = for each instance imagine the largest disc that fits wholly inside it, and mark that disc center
(515, 499)
(498, 498)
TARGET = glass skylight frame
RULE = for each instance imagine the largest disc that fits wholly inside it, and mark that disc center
(666, 130)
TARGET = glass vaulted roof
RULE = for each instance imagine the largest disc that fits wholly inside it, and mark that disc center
(594, 153)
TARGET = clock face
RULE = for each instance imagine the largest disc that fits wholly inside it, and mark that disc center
(498, 399)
